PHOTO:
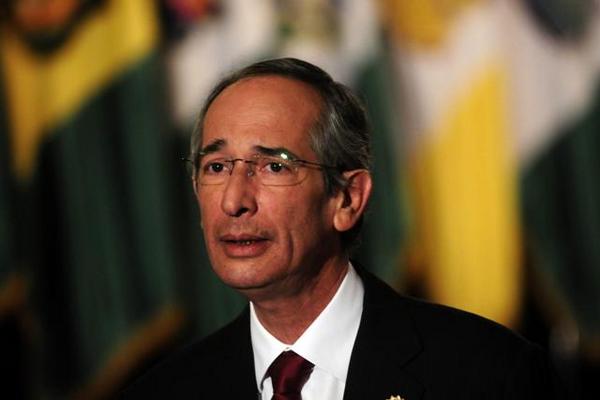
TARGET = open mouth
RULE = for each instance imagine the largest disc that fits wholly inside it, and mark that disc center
(244, 242)
(242, 239)
(244, 246)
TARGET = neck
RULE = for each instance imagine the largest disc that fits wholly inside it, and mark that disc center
(287, 317)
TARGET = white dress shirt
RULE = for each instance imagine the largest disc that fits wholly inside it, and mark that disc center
(327, 343)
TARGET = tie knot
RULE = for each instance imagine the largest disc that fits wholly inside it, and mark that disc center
(289, 372)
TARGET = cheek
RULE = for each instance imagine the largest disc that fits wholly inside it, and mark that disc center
(299, 215)
(209, 209)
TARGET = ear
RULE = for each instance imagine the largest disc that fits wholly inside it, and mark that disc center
(352, 199)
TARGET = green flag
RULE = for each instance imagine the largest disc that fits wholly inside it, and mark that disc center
(561, 201)
(87, 150)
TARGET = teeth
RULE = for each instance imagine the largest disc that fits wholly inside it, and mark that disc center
(244, 242)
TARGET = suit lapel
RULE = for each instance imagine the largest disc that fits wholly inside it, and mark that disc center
(385, 345)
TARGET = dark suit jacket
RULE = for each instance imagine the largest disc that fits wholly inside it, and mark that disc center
(405, 347)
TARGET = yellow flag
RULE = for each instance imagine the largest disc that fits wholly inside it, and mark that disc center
(465, 236)
(42, 91)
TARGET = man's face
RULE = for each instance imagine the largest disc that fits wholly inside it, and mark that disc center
(266, 239)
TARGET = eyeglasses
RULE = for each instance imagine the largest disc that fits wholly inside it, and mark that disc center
(275, 170)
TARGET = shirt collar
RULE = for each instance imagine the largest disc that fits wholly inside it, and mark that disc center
(337, 324)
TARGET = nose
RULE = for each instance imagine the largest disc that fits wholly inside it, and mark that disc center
(239, 192)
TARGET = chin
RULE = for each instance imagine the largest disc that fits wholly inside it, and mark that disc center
(242, 275)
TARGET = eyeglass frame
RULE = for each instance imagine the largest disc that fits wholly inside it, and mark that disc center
(194, 158)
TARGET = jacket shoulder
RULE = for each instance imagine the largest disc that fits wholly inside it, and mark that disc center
(443, 324)
(483, 353)
(437, 324)
(462, 352)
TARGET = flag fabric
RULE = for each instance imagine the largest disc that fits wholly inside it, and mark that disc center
(86, 153)
(500, 107)
(561, 203)
(12, 281)
(461, 172)
(556, 100)
(383, 237)
(235, 33)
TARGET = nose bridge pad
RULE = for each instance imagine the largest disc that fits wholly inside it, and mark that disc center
(248, 164)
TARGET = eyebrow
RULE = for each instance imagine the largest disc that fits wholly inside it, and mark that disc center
(276, 151)
(218, 144)
(213, 146)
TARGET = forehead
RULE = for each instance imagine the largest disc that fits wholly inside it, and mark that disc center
(268, 111)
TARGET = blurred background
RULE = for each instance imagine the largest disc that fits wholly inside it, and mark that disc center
(486, 118)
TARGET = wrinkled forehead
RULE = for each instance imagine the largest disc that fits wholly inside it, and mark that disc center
(268, 111)
(219, 146)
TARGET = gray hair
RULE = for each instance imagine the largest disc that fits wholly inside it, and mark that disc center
(340, 136)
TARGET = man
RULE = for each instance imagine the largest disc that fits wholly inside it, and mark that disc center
(281, 173)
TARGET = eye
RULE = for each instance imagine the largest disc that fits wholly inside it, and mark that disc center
(214, 167)
(275, 166)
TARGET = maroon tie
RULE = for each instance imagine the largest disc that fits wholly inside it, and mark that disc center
(289, 372)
